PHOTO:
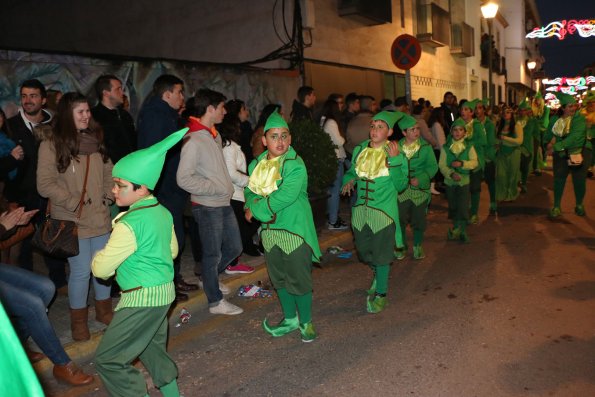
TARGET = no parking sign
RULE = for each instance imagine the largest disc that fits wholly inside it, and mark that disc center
(405, 51)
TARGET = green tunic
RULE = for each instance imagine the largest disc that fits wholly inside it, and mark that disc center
(491, 141)
(574, 141)
(423, 166)
(479, 141)
(376, 204)
(285, 214)
(508, 171)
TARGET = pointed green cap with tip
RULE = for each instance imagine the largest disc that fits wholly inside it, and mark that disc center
(275, 120)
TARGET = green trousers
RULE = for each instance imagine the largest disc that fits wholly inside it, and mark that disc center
(138, 332)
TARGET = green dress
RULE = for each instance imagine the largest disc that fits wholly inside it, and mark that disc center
(508, 164)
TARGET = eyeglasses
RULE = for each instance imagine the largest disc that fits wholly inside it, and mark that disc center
(277, 137)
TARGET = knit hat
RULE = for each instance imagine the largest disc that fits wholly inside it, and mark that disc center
(524, 105)
(565, 99)
(275, 120)
(470, 104)
(390, 118)
(406, 121)
(144, 166)
(458, 123)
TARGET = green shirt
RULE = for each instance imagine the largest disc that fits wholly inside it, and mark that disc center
(286, 211)
(575, 140)
(491, 141)
(479, 142)
(423, 166)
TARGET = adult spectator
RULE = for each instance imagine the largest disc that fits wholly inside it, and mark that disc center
(352, 107)
(119, 133)
(451, 112)
(358, 129)
(72, 160)
(401, 105)
(303, 107)
(426, 134)
(329, 123)
(436, 123)
(159, 117)
(26, 296)
(203, 174)
(26, 130)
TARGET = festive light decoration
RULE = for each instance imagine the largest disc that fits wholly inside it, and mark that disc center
(584, 27)
(567, 90)
(573, 81)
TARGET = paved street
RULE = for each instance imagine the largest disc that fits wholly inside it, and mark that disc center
(510, 314)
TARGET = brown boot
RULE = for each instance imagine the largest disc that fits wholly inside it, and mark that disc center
(103, 311)
(78, 324)
(72, 374)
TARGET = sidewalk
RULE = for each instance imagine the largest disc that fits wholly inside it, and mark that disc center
(79, 351)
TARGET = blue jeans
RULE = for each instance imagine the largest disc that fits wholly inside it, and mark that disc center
(80, 272)
(221, 244)
(26, 295)
(332, 204)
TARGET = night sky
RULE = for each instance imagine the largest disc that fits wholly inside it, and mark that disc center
(568, 57)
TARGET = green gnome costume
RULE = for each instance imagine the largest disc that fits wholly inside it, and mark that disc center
(378, 178)
(277, 196)
(140, 253)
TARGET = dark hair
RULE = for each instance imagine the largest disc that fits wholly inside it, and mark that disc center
(265, 113)
(330, 111)
(437, 115)
(417, 109)
(189, 109)
(401, 101)
(385, 102)
(234, 106)
(104, 83)
(165, 82)
(335, 97)
(205, 98)
(502, 121)
(36, 84)
(4, 127)
(351, 98)
(303, 92)
(230, 126)
(447, 93)
(65, 136)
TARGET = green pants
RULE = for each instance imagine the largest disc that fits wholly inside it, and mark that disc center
(375, 248)
(137, 332)
(292, 272)
(458, 202)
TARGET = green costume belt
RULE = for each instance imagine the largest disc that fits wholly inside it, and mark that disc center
(363, 215)
(286, 241)
(416, 195)
(158, 295)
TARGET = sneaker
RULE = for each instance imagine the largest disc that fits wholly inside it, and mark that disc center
(474, 219)
(454, 233)
(240, 268)
(418, 252)
(433, 189)
(555, 212)
(580, 210)
(308, 332)
(286, 326)
(400, 253)
(339, 225)
(222, 287)
(376, 304)
(224, 307)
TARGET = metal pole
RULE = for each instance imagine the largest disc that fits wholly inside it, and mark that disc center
(408, 87)
(490, 88)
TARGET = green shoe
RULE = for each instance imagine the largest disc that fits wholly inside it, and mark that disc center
(474, 219)
(453, 234)
(372, 289)
(418, 252)
(377, 304)
(464, 237)
(555, 212)
(286, 326)
(580, 210)
(308, 332)
(400, 253)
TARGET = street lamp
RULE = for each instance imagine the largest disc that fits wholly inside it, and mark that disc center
(489, 11)
(531, 66)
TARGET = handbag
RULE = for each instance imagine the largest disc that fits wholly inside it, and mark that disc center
(59, 238)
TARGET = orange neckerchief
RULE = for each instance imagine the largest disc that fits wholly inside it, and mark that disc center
(194, 125)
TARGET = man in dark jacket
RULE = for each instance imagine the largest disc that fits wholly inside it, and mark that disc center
(119, 134)
(157, 119)
(303, 107)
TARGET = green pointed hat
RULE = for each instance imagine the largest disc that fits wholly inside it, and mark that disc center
(590, 97)
(144, 166)
(406, 122)
(458, 123)
(524, 105)
(275, 120)
(565, 99)
(470, 104)
(390, 118)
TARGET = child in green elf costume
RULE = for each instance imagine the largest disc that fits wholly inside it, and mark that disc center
(414, 200)
(378, 172)
(489, 174)
(277, 196)
(475, 134)
(457, 159)
(140, 253)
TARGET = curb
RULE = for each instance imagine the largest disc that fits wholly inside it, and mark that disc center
(77, 351)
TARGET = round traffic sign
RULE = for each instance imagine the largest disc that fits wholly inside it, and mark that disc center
(405, 51)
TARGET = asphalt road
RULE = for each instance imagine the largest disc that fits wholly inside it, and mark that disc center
(511, 314)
